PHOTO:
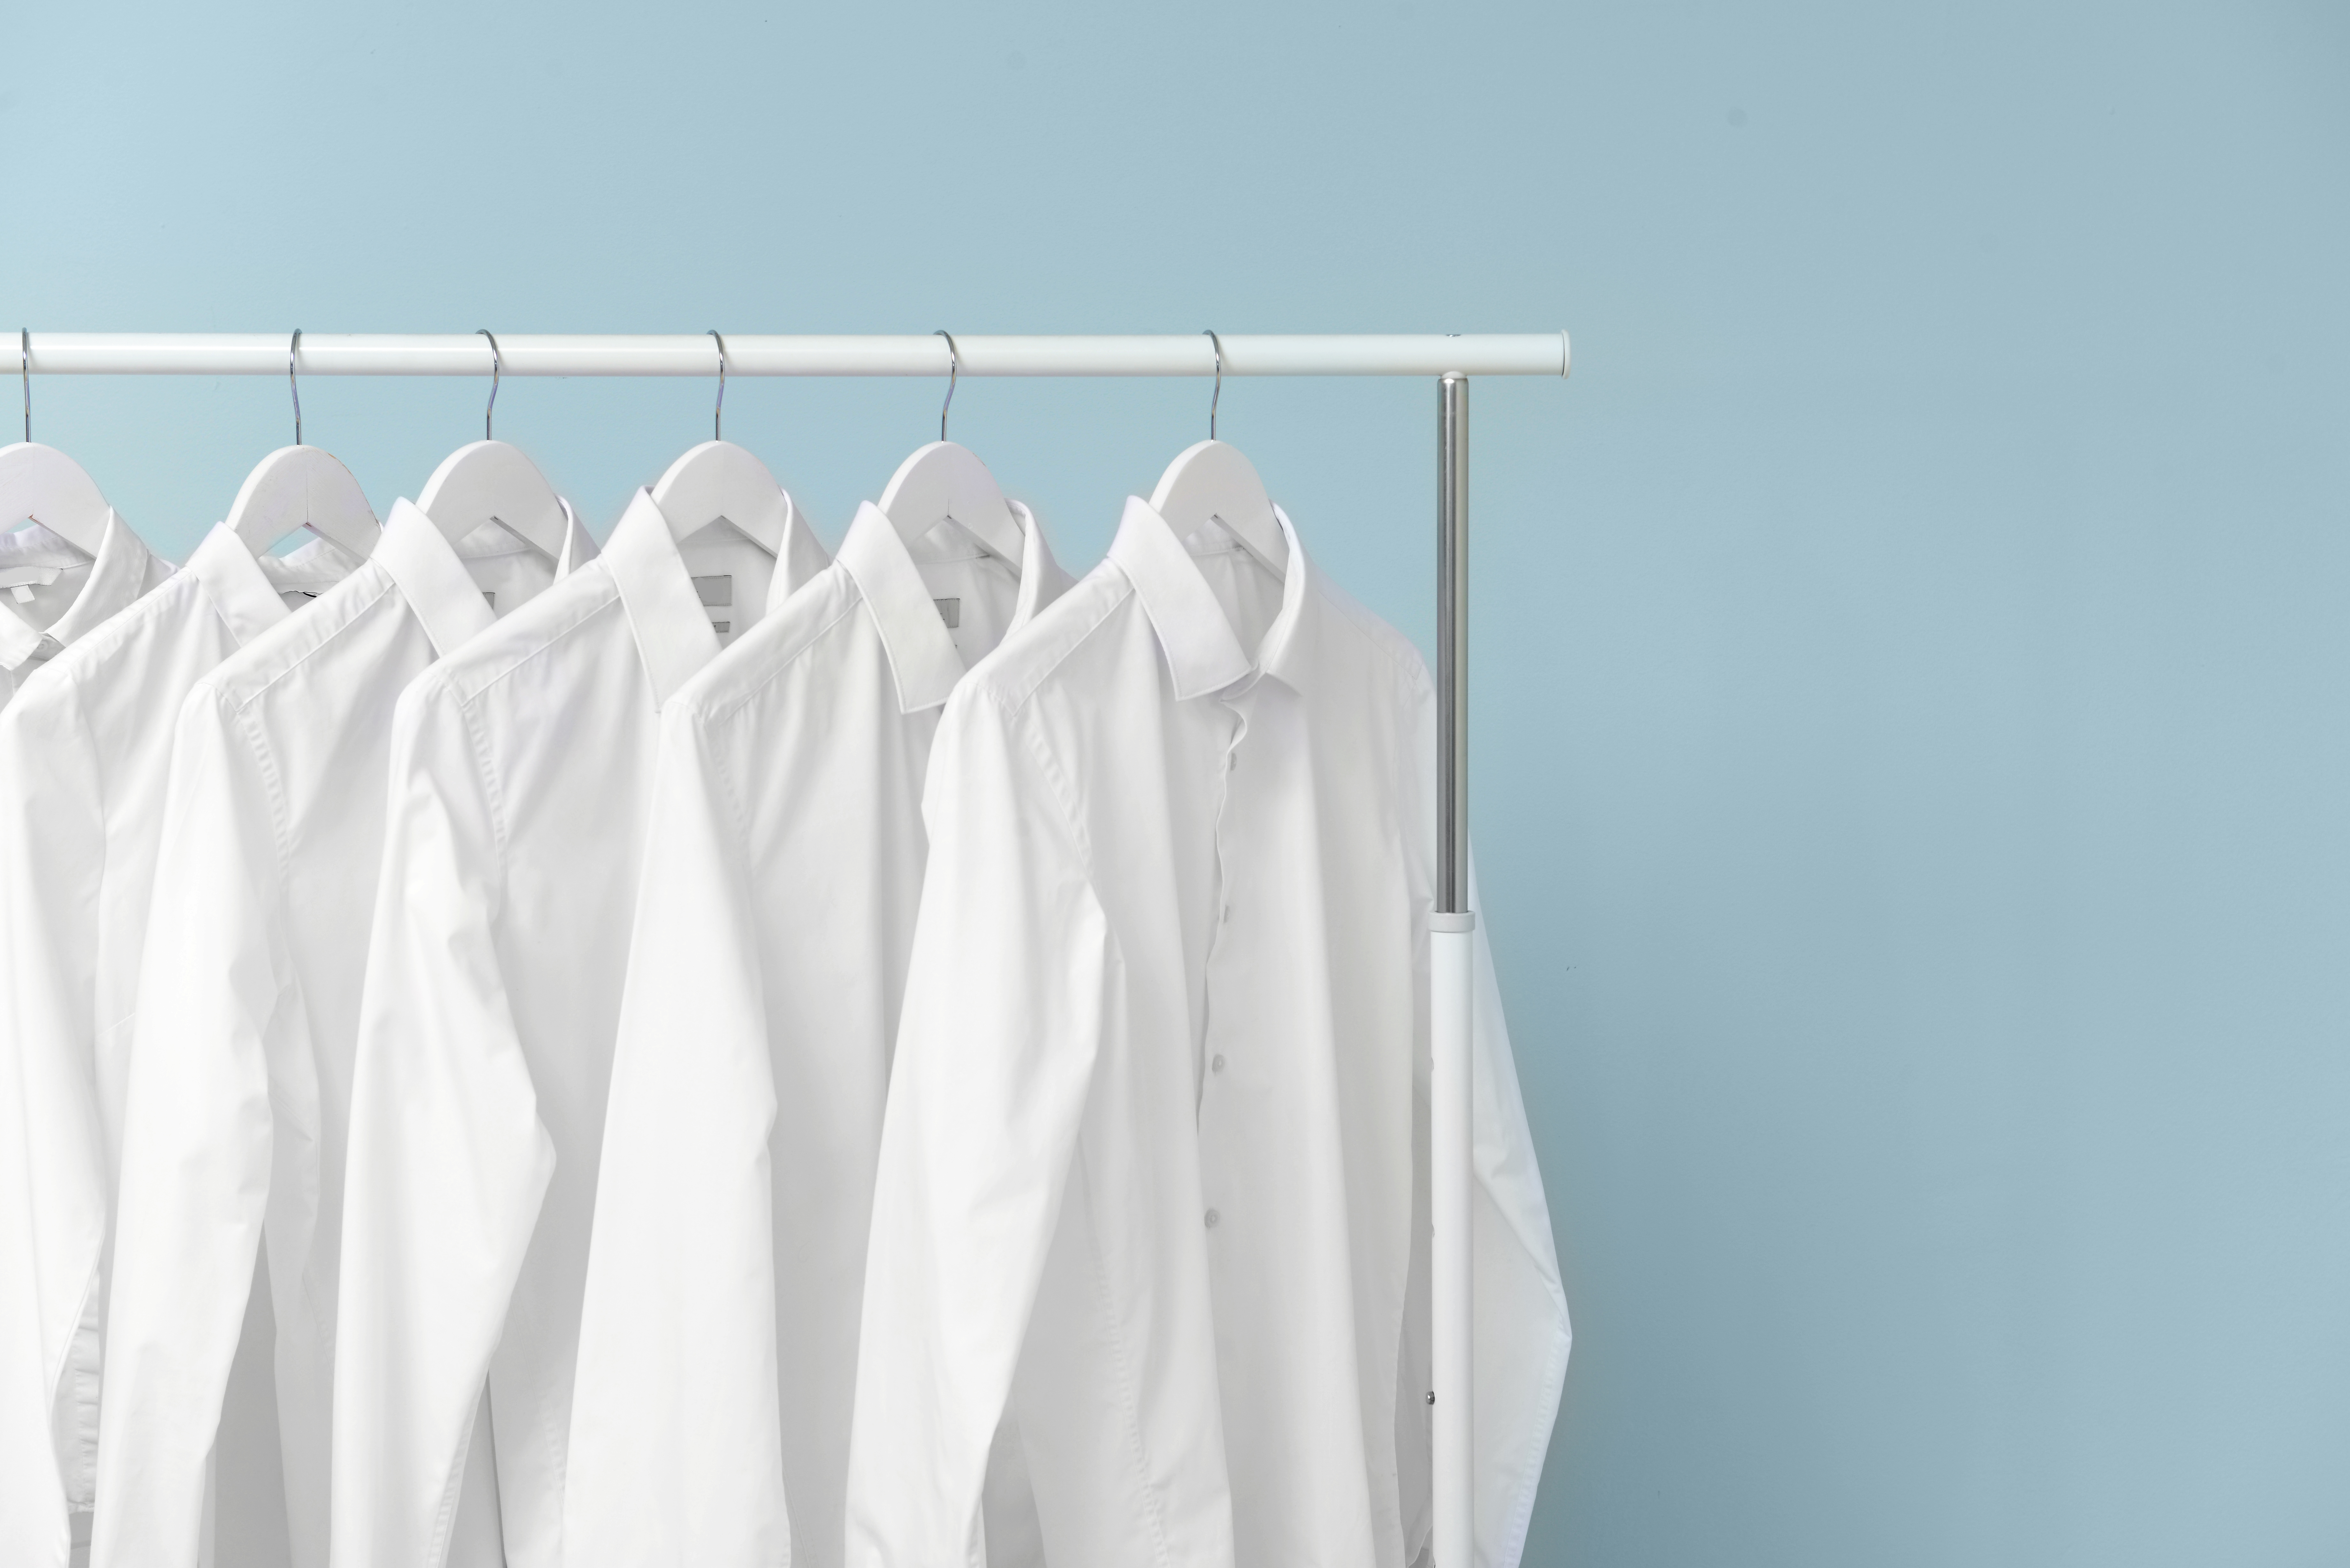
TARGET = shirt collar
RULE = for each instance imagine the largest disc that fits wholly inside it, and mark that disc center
(922, 657)
(1202, 652)
(1042, 580)
(799, 560)
(431, 576)
(673, 634)
(578, 545)
(117, 576)
(240, 594)
(1288, 653)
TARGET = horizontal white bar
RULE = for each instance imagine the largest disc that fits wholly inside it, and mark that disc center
(751, 354)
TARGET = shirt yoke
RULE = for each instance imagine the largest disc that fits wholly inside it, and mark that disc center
(1011, 674)
(763, 655)
(520, 639)
(1397, 652)
(244, 677)
(84, 657)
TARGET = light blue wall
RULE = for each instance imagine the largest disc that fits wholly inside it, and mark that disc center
(1911, 780)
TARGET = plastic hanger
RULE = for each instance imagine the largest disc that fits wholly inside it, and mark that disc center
(1211, 481)
(718, 482)
(301, 486)
(45, 484)
(943, 482)
(490, 481)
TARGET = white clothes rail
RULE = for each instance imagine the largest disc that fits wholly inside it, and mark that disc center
(1450, 360)
(751, 354)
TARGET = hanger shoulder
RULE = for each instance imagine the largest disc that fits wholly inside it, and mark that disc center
(53, 489)
(720, 479)
(944, 480)
(1213, 480)
(492, 481)
(303, 485)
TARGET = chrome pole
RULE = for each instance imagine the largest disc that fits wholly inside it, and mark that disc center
(1453, 971)
(1452, 645)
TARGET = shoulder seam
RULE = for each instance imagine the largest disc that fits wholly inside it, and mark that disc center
(1056, 780)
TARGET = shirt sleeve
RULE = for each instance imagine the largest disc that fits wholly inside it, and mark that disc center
(448, 1158)
(53, 1186)
(1004, 1020)
(196, 1148)
(676, 1447)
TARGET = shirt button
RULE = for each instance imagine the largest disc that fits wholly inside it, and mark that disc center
(1214, 1219)
(1215, 1063)
(1225, 918)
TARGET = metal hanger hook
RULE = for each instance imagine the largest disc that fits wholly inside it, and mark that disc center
(494, 368)
(955, 369)
(1218, 344)
(25, 353)
(295, 386)
(718, 414)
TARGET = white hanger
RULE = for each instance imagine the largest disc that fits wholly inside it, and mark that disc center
(1214, 480)
(489, 480)
(45, 484)
(719, 482)
(298, 487)
(944, 481)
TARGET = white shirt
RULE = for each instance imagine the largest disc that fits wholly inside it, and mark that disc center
(521, 777)
(1148, 1167)
(84, 751)
(718, 1344)
(240, 1074)
(50, 593)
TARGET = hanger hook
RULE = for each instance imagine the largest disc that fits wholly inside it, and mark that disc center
(291, 349)
(1218, 344)
(24, 351)
(718, 414)
(955, 369)
(494, 367)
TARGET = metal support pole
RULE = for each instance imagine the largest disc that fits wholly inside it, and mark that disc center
(1452, 643)
(1452, 969)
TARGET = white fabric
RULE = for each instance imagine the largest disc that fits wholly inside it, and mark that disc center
(1148, 1167)
(84, 749)
(61, 593)
(240, 1077)
(718, 1344)
(520, 780)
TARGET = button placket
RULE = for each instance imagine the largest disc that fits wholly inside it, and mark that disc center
(1223, 902)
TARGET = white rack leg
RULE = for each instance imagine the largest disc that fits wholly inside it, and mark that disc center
(1452, 956)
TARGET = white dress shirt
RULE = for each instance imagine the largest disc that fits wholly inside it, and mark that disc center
(718, 1344)
(241, 1073)
(520, 782)
(50, 593)
(1149, 1168)
(85, 748)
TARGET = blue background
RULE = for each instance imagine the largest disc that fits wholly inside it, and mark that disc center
(1912, 775)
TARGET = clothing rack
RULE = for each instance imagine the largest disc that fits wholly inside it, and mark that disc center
(1449, 358)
